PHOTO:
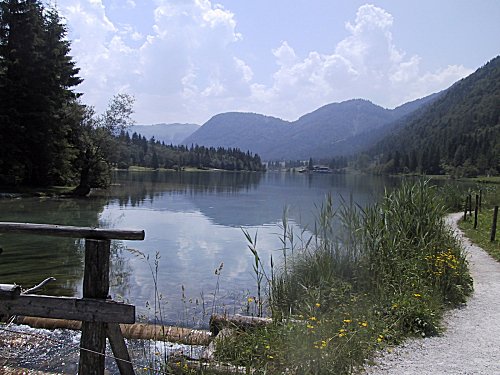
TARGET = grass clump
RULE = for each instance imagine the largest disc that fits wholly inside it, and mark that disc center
(366, 278)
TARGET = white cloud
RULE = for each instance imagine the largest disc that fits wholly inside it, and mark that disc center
(366, 64)
(181, 65)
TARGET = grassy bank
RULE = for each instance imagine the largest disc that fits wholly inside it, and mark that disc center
(482, 233)
(366, 279)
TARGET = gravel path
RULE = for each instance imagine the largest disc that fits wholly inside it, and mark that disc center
(471, 342)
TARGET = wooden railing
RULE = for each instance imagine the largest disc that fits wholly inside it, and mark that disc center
(100, 316)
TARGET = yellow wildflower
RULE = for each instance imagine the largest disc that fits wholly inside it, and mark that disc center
(318, 305)
(347, 320)
(313, 318)
(417, 295)
(363, 324)
(310, 326)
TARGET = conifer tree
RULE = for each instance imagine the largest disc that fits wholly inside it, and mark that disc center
(37, 77)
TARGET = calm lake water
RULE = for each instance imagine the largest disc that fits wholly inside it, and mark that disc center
(193, 221)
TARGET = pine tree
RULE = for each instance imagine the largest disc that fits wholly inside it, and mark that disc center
(36, 80)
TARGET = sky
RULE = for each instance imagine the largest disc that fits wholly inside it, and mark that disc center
(185, 61)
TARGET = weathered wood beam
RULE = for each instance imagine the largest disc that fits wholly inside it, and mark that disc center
(84, 309)
(95, 285)
(9, 291)
(70, 231)
(119, 349)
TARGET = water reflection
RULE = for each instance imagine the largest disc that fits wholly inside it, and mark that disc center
(27, 259)
(193, 223)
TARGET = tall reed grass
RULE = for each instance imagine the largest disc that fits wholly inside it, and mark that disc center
(366, 278)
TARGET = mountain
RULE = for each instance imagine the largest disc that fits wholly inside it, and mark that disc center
(332, 130)
(168, 133)
(324, 132)
(458, 133)
(246, 131)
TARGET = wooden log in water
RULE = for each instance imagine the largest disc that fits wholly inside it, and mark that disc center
(140, 331)
(166, 333)
(220, 321)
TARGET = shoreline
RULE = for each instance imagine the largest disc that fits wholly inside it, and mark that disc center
(469, 344)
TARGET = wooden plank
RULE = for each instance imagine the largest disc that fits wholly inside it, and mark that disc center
(115, 337)
(84, 309)
(494, 224)
(95, 285)
(9, 291)
(70, 231)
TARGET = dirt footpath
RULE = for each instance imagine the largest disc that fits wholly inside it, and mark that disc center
(471, 342)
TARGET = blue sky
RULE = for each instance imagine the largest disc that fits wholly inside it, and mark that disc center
(187, 60)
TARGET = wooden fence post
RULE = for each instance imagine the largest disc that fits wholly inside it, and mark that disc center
(475, 211)
(494, 225)
(480, 198)
(95, 285)
(100, 315)
(465, 207)
(470, 204)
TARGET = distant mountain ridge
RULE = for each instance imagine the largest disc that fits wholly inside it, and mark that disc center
(169, 133)
(329, 131)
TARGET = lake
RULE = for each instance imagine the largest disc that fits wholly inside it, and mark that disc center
(193, 223)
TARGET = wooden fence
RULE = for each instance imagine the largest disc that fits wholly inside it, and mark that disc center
(100, 315)
(477, 208)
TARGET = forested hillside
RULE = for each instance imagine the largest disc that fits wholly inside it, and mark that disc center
(136, 150)
(336, 129)
(458, 134)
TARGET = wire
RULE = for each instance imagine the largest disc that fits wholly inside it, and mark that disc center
(45, 337)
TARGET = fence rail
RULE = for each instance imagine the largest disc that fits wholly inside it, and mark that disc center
(70, 231)
(100, 316)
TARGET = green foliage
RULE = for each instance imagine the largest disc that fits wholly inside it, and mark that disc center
(36, 80)
(96, 141)
(365, 279)
(136, 150)
(458, 134)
